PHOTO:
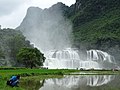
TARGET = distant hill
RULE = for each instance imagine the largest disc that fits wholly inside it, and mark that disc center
(96, 23)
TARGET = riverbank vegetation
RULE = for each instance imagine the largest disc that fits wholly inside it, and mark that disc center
(33, 72)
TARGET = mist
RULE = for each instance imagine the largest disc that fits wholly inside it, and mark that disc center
(47, 29)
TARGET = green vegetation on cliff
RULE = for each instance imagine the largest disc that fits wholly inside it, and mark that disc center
(96, 22)
(96, 25)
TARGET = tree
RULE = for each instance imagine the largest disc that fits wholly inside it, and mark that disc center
(15, 43)
(11, 41)
(30, 57)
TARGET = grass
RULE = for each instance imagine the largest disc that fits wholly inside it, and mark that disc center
(33, 72)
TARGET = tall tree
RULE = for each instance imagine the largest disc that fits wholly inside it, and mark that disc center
(30, 57)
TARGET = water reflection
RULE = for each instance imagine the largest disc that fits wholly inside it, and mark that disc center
(99, 80)
(31, 84)
(82, 82)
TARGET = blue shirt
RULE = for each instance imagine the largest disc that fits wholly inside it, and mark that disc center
(14, 78)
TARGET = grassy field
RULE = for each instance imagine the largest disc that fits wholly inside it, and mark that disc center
(29, 75)
(33, 76)
(33, 72)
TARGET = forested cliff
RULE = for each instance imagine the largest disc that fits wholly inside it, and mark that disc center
(96, 25)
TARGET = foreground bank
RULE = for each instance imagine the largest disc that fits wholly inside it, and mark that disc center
(33, 76)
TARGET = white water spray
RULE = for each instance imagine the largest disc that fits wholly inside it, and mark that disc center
(98, 55)
(70, 58)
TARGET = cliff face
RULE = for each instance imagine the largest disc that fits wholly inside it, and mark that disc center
(47, 28)
(96, 23)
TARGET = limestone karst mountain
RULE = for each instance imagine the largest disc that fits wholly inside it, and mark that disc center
(88, 24)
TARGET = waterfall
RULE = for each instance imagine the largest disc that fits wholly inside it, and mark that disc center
(71, 58)
(67, 58)
(98, 55)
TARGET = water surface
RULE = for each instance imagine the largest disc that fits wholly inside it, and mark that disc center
(83, 82)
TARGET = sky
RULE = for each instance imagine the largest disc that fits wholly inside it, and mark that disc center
(12, 12)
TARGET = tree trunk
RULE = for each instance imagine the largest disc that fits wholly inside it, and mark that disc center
(31, 66)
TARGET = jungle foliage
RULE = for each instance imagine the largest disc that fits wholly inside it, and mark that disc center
(11, 41)
(30, 57)
(96, 23)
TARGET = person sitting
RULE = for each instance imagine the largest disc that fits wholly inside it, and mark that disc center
(14, 80)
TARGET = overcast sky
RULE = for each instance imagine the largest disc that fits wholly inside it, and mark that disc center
(12, 12)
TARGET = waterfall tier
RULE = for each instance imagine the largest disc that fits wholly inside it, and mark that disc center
(71, 58)
(98, 55)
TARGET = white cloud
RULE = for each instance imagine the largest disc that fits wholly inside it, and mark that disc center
(8, 6)
(12, 12)
(13, 19)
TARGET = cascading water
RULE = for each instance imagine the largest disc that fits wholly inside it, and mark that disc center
(67, 58)
(70, 58)
(98, 55)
